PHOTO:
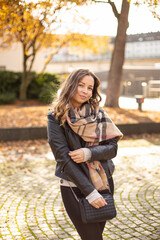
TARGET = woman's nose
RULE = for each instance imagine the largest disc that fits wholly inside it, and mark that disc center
(85, 89)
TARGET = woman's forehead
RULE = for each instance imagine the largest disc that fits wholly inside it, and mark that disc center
(87, 80)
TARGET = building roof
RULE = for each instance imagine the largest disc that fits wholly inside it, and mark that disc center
(151, 36)
(141, 37)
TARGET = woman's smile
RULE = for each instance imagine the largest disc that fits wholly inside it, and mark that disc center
(83, 97)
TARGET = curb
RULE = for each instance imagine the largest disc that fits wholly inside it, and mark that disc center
(139, 128)
(15, 134)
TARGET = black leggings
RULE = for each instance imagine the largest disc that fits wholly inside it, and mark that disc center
(89, 231)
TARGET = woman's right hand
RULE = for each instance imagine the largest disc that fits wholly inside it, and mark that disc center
(99, 202)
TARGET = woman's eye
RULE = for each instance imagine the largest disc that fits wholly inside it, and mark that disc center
(89, 88)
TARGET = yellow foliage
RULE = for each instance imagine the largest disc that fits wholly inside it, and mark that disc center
(154, 6)
(28, 21)
(150, 3)
(80, 44)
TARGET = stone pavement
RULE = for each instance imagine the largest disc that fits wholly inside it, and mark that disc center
(31, 206)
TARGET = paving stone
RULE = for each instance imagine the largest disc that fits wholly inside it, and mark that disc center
(126, 236)
(133, 238)
(7, 237)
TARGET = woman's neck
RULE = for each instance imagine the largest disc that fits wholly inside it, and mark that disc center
(76, 105)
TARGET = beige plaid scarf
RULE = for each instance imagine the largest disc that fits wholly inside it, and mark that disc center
(93, 125)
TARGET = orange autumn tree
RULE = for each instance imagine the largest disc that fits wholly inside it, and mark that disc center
(29, 22)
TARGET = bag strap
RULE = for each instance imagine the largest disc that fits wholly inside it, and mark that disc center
(73, 193)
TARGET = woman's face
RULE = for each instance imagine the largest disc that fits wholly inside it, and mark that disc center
(84, 91)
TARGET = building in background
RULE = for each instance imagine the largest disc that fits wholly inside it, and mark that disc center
(145, 45)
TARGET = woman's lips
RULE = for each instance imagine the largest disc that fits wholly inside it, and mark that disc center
(83, 97)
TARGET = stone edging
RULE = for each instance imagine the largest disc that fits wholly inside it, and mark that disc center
(15, 134)
(139, 128)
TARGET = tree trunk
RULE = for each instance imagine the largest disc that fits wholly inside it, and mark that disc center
(26, 78)
(115, 72)
(23, 86)
(23, 89)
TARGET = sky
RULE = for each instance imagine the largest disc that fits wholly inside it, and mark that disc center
(103, 22)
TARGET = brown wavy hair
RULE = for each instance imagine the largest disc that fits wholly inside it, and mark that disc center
(69, 88)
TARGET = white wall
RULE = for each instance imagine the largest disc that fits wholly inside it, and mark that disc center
(148, 49)
(11, 57)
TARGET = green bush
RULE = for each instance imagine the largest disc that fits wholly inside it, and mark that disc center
(42, 87)
(48, 92)
(10, 81)
(8, 97)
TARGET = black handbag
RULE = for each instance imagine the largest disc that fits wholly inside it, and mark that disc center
(90, 214)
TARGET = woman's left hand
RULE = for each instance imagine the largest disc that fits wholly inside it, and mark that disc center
(77, 155)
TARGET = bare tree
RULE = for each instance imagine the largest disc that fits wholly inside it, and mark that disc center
(118, 56)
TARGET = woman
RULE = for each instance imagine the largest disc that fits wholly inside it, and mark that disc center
(83, 139)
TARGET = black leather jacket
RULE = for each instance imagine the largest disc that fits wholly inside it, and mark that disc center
(64, 139)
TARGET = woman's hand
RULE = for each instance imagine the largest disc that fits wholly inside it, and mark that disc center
(99, 202)
(77, 155)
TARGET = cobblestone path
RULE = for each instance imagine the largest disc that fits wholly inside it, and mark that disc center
(31, 206)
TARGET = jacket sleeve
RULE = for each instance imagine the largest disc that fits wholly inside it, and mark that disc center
(60, 149)
(105, 151)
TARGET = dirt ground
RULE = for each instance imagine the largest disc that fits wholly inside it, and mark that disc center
(32, 114)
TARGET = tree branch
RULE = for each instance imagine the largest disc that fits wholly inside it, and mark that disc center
(49, 60)
(53, 53)
(114, 9)
(31, 63)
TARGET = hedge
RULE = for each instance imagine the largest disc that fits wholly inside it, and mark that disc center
(43, 87)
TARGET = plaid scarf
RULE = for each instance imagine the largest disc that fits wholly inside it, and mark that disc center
(93, 125)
